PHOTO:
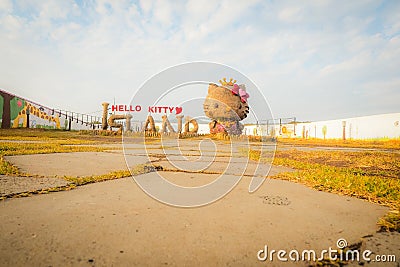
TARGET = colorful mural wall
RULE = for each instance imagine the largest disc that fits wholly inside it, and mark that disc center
(17, 112)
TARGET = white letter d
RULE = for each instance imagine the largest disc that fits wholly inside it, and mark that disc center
(260, 252)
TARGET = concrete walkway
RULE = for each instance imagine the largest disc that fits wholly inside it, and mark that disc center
(115, 223)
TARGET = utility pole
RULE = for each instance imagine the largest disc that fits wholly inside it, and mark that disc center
(344, 130)
(27, 117)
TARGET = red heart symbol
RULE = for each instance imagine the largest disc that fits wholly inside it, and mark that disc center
(178, 110)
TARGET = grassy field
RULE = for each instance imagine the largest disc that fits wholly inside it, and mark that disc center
(382, 143)
(75, 137)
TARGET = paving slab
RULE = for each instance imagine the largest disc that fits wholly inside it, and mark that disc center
(115, 223)
(74, 164)
(231, 166)
(13, 185)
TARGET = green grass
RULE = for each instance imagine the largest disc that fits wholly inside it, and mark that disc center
(373, 176)
(7, 168)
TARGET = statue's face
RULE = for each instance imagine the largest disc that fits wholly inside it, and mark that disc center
(221, 104)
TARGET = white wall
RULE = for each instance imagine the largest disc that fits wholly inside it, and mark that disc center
(376, 126)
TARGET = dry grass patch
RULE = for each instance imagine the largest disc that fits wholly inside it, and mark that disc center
(382, 143)
(137, 170)
(46, 135)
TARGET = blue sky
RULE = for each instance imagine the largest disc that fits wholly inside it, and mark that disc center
(314, 60)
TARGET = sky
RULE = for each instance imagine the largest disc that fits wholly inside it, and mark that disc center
(313, 60)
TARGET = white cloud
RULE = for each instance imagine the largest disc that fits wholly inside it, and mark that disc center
(6, 6)
(163, 13)
(290, 14)
(146, 5)
(11, 24)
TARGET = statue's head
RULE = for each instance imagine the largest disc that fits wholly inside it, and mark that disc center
(226, 102)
